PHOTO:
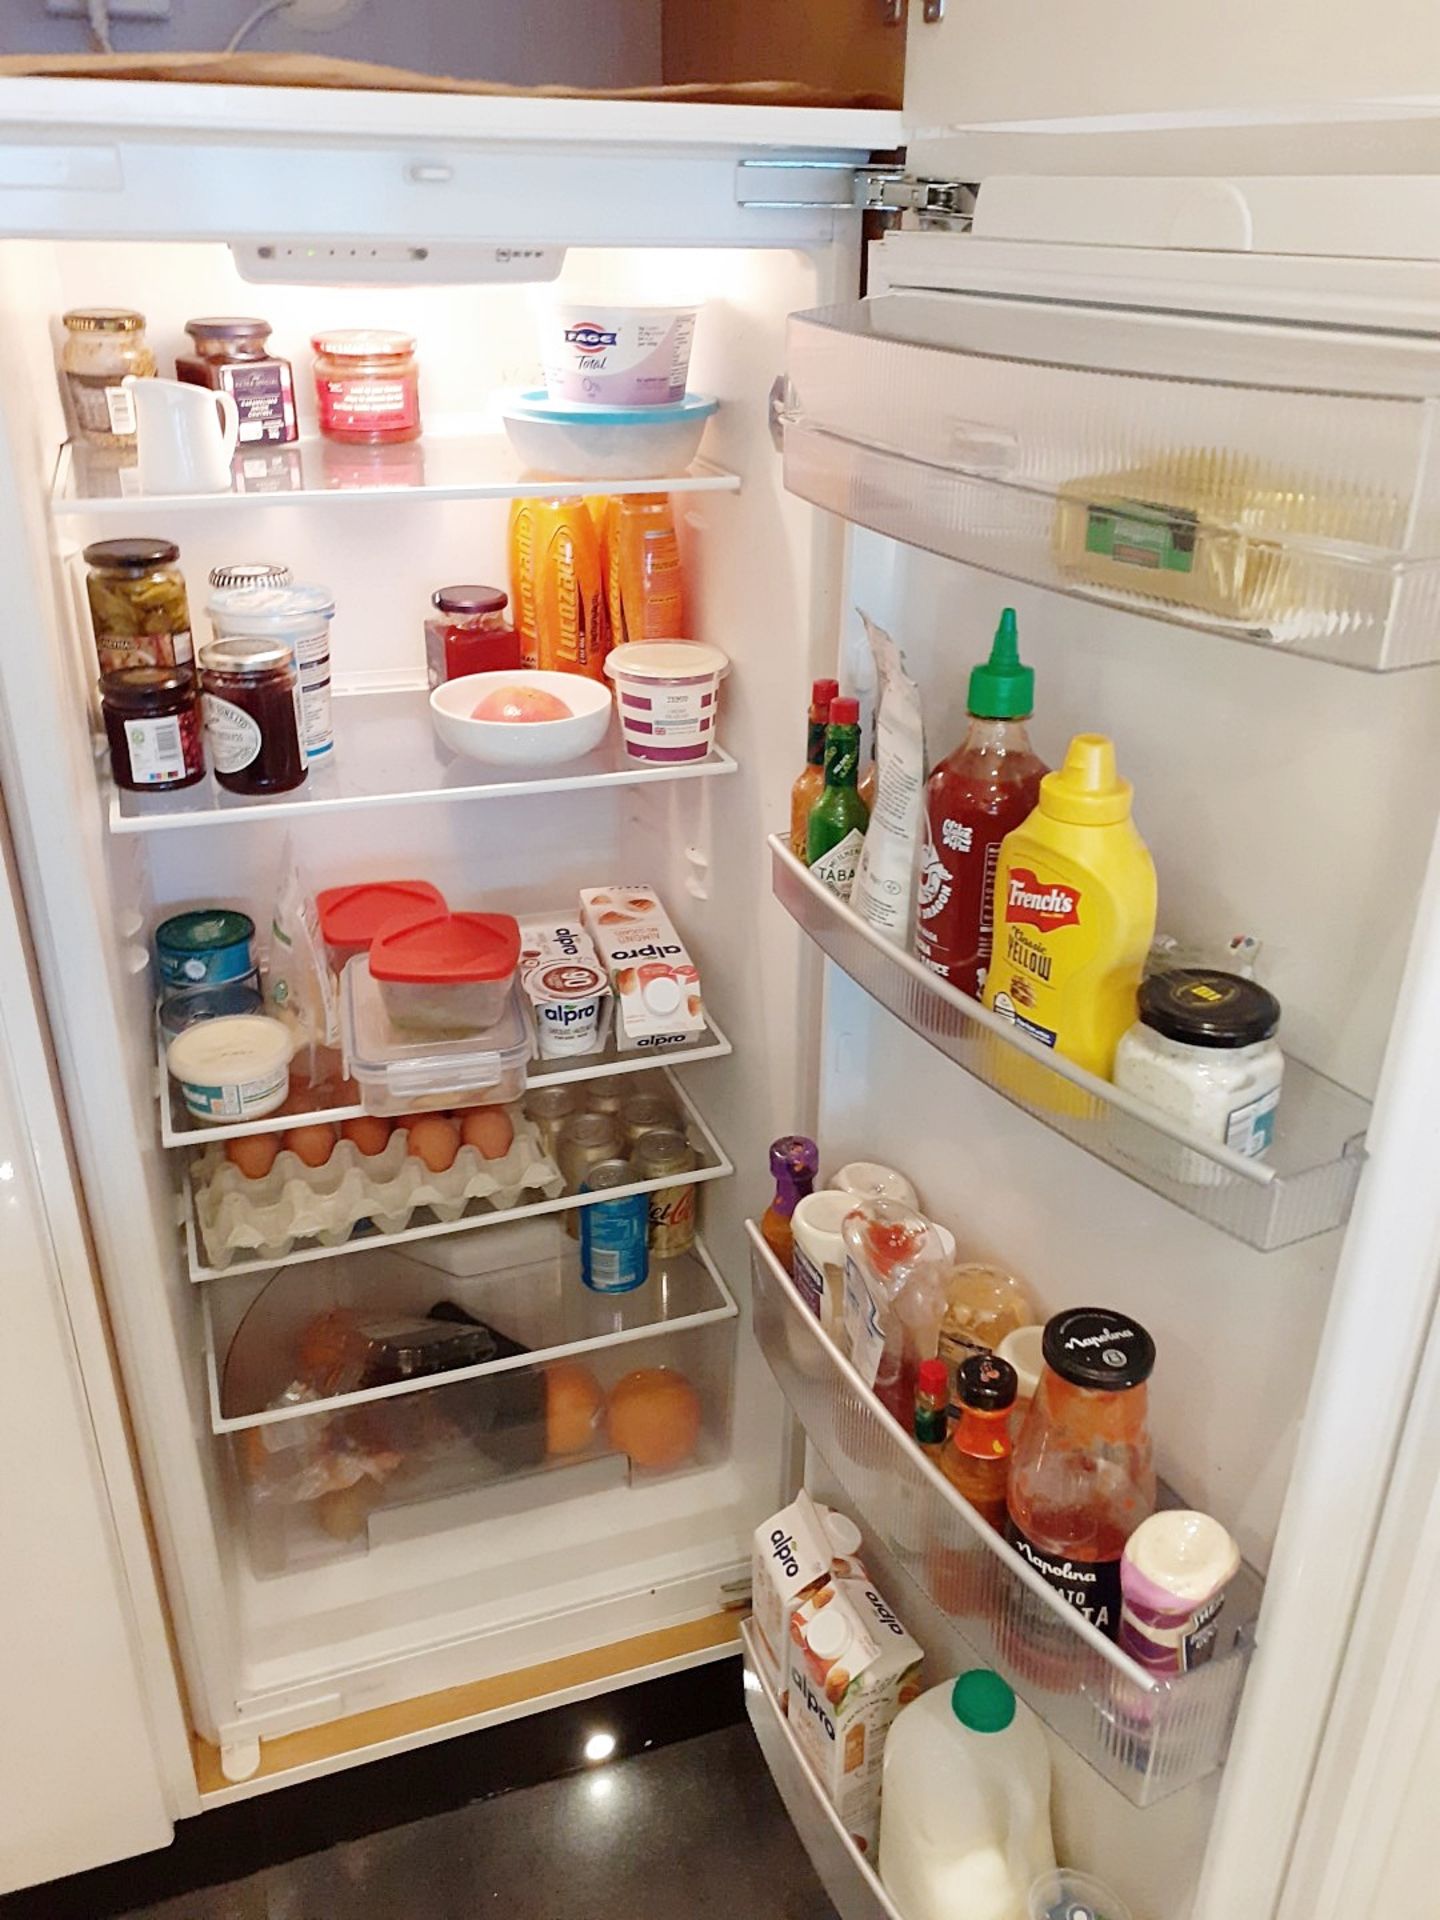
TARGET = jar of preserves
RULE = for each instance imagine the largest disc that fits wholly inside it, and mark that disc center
(252, 714)
(367, 386)
(138, 604)
(230, 356)
(468, 633)
(152, 722)
(102, 346)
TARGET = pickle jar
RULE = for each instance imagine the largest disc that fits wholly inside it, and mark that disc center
(138, 604)
(102, 346)
(251, 697)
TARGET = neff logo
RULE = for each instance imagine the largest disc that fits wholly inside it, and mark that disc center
(782, 1548)
(1044, 908)
(816, 1706)
(882, 1612)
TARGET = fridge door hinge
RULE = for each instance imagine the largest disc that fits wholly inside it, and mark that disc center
(840, 187)
(949, 203)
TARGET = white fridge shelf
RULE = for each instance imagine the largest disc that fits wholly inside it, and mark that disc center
(1289, 497)
(844, 1872)
(1305, 1187)
(1148, 1737)
(388, 754)
(97, 484)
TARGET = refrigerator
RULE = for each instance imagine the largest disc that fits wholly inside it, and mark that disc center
(1108, 255)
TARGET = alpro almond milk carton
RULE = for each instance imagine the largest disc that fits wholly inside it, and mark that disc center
(654, 980)
(795, 1550)
(852, 1667)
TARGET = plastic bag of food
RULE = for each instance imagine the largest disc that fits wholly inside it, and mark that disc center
(299, 986)
(884, 890)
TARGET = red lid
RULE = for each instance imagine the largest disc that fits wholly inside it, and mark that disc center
(447, 949)
(822, 693)
(844, 713)
(933, 1378)
(352, 916)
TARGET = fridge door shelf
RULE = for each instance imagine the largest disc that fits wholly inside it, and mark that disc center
(295, 1249)
(1286, 498)
(373, 1465)
(314, 1105)
(844, 1872)
(1305, 1187)
(387, 754)
(1148, 1737)
(95, 484)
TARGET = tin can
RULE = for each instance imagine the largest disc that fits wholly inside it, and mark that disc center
(550, 1108)
(642, 1113)
(205, 949)
(672, 1209)
(606, 1095)
(585, 1140)
(614, 1252)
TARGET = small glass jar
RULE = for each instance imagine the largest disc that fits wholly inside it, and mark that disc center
(138, 604)
(252, 714)
(152, 722)
(367, 386)
(469, 634)
(230, 357)
(102, 346)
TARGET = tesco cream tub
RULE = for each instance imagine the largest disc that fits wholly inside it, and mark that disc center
(668, 693)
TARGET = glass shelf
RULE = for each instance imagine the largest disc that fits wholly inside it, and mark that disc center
(387, 754)
(1305, 1186)
(94, 483)
(1291, 498)
(1148, 1736)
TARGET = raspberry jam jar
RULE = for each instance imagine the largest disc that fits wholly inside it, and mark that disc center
(252, 714)
(468, 633)
(152, 722)
(367, 386)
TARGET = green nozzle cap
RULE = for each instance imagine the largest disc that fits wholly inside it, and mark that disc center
(982, 1701)
(1002, 689)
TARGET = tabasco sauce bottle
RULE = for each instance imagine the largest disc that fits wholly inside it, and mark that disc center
(838, 819)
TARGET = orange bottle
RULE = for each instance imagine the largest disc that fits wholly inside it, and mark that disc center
(572, 626)
(645, 582)
(976, 1459)
(524, 544)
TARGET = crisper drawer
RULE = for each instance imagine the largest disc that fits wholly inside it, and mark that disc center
(1273, 483)
(1148, 1737)
(549, 1391)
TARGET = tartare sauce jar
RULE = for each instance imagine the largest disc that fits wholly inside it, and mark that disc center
(367, 386)
(1204, 1052)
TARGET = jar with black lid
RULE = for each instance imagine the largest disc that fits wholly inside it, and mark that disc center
(231, 356)
(139, 608)
(252, 714)
(152, 722)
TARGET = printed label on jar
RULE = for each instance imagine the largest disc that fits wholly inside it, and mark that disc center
(369, 403)
(264, 401)
(120, 404)
(1251, 1129)
(237, 1100)
(90, 399)
(233, 734)
(157, 752)
(118, 651)
(1092, 1586)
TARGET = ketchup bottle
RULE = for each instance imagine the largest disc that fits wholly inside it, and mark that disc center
(972, 800)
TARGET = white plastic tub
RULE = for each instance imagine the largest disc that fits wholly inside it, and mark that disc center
(617, 356)
(236, 1068)
(555, 439)
(668, 693)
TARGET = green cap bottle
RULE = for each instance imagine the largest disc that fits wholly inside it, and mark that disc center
(1002, 689)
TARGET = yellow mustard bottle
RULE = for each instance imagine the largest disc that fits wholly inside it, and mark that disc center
(1074, 911)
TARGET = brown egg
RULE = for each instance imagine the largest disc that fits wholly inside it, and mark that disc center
(369, 1134)
(313, 1144)
(253, 1153)
(434, 1140)
(490, 1130)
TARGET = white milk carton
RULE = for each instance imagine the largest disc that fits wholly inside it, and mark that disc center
(794, 1551)
(852, 1667)
(654, 980)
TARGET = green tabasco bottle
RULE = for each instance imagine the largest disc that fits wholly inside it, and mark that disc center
(839, 817)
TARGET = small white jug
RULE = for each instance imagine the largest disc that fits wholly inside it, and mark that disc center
(187, 435)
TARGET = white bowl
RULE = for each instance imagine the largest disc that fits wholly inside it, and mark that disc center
(521, 743)
(560, 441)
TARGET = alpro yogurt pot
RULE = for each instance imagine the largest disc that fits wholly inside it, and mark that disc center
(618, 356)
(569, 999)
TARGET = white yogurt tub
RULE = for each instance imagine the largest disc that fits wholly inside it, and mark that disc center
(668, 693)
(819, 1260)
(569, 999)
(618, 356)
(235, 1068)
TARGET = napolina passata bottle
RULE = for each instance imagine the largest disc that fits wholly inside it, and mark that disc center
(976, 795)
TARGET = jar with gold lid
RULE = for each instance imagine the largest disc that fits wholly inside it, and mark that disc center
(102, 346)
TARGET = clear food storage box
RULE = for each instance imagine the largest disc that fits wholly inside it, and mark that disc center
(399, 1071)
(369, 1400)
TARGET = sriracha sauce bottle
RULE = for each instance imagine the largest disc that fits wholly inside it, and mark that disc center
(988, 785)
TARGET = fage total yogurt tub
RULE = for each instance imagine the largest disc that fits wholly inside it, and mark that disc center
(618, 356)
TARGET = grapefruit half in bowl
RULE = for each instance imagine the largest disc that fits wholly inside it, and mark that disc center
(534, 718)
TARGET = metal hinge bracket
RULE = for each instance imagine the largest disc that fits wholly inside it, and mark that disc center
(837, 186)
(892, 190)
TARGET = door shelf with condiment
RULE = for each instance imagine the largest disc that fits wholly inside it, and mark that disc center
(104, 484)
(1305, 1186)
(403, 1391)
(1271, 483)
(420, 1186)
(1148, 1735)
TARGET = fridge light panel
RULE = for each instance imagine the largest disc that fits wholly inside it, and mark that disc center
(392, 263)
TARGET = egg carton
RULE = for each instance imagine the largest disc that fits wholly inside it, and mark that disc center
(263, 1219)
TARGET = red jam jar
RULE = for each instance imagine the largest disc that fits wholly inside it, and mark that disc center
(152, 722)
(468, 633)
(367, 386)
(252, 714)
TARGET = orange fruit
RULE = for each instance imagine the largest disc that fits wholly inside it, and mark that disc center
(655, 1417)
(574, 1406)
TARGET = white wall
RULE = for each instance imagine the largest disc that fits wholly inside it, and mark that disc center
(583, 43)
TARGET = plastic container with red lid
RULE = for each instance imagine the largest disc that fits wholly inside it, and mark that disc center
(446, 972)
(350, 917)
